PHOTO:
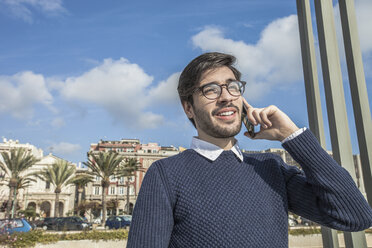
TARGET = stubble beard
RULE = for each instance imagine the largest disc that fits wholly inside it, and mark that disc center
(205, 123)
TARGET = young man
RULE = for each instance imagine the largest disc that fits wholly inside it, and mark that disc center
(212, 195)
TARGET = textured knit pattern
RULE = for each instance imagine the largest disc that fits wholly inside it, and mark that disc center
(189, 201)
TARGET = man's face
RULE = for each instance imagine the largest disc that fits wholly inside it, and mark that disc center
(219, 118)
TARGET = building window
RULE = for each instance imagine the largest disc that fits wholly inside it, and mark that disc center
(131, 190)
(98, 178)
(47, 185)
(112, 190)
(112, 178)
(121, 180)
(121, 190)
(96, 190)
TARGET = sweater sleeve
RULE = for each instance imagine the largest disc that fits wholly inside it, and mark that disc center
(323, 192)
(152, 221)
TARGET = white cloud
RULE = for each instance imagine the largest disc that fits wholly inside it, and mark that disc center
(274, 59)
(65, 148)
(123, 89)
(21, 92)
(119, 87)
(23, 8)
(363, 8)
(166, 91)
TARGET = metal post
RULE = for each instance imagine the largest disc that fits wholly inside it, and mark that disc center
(362, 114)
(314, 110)
(337, 117)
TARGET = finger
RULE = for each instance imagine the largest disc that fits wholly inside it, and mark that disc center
(258, 135)
(264, 117)
(257, 117)
(250, 116)
(248, 135)
(249, 110)
(246, 103)
(262, 134)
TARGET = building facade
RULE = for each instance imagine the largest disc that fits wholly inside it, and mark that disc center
(39, 195)
(121, 188)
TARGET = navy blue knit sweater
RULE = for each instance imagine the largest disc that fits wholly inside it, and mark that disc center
(189, 201)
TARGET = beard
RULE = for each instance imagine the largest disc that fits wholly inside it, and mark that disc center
(216, 130)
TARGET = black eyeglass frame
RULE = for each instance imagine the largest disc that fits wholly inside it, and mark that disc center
(243, 83)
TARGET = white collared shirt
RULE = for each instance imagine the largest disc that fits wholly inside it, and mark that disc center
(212, 152)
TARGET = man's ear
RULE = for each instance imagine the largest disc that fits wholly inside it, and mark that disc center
(187, 107)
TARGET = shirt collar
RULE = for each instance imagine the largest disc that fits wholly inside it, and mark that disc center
(211, 151)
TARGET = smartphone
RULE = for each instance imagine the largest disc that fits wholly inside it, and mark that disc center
(247, 123)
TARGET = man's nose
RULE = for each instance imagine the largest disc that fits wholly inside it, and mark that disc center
(225, 95)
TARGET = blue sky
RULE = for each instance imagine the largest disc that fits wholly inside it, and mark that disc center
(75, 72)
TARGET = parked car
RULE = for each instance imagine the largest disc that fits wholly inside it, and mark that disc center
(127, 217)
(72, 223)
(97, 221)
(48, 223)
(14, 225)
(306, 222)
(116, 222)
(35, 223)
(292, 222)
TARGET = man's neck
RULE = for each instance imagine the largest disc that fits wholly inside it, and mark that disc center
(223, 143)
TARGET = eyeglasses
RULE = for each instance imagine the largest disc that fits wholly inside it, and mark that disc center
(213, 91)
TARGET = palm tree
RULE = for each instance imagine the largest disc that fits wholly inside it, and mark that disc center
(14, 164)
(128, 169)
(23, 183)
(80, 181)
(60, 174)
(103, 165)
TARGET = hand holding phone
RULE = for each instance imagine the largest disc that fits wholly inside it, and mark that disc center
(274, 124)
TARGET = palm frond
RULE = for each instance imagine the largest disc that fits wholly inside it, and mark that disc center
(16, 161)
(82, 179)
(103, 164)
(128, 168)
(59, 174)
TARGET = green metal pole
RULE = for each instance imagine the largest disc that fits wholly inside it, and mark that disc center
(336, 107)
(358, 88)
(314, 109)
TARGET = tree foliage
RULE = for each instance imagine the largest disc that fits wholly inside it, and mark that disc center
(104, 165)
(15, 164)
(60, 174)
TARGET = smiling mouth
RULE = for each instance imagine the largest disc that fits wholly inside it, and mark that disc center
(227, 113)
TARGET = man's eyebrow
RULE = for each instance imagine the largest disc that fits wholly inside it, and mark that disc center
(216, 82)
(230, 80)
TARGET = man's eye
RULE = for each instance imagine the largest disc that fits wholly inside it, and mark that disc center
(233, 87)
(210, 90)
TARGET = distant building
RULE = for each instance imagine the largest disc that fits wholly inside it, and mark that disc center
(39, 195)
(145, 154)
(287, 158)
